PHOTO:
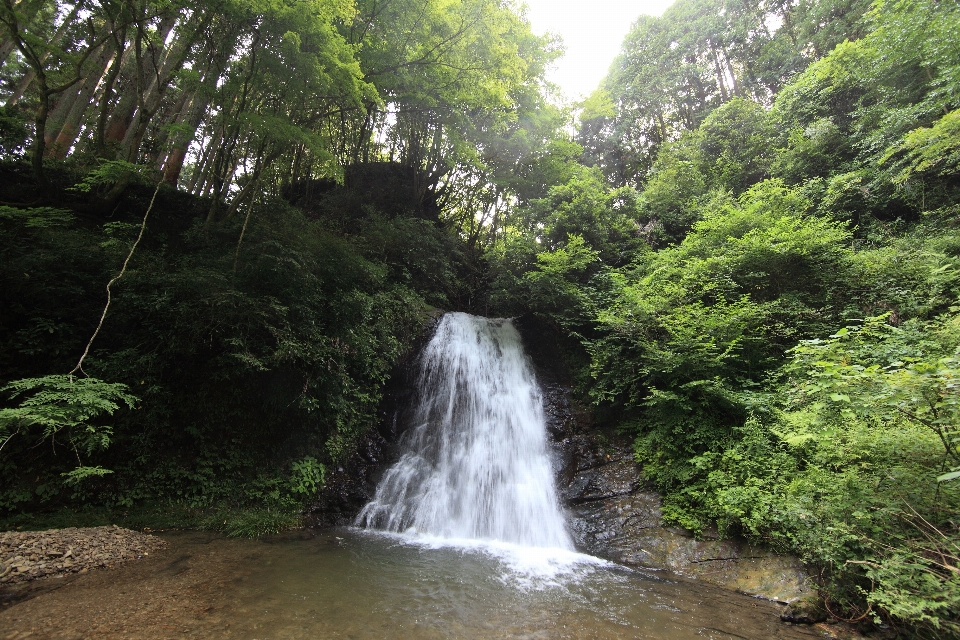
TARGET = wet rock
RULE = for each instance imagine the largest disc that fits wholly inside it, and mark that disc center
(614, 515)
(805, 611)
(611, 479)
(628, 529)
(349, 486)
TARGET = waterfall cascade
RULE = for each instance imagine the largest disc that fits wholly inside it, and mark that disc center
(475, 464)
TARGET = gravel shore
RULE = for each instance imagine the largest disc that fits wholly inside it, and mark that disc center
(28, 555)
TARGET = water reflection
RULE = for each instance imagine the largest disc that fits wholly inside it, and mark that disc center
(352, 584)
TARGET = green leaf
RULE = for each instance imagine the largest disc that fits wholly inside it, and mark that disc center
(81, 473)
(946, 477)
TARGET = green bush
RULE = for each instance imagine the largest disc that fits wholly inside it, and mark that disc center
(255, 365)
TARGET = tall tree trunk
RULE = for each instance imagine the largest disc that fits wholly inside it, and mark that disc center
(9, 43)
(10, 20)
(63, 128)
(201, 174)
(56, 117)
(181, 144)
(151, 99)
(6, 48)
(296, 164)
(122, 113)
(220, 183)
(134, 74)
(31, 74)
(248, 190)
(734, 85)
(721, 84)
(215, 57)
(106, 94)
(171, 117)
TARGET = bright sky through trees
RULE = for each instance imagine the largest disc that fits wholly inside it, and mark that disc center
(592, 32)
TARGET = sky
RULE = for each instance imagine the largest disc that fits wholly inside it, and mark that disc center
(592, 32)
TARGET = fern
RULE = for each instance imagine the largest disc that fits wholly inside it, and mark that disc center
(63, 407)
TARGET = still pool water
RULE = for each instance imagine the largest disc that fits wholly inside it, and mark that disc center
(355, 584)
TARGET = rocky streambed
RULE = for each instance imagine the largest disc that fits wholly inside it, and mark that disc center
(28, 555)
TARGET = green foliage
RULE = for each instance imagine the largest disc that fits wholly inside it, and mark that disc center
(934, 150)
(890, 374)
(251, 523)
(814, 151)
(80, 473)
(703, 63)
(62, 409)
(848, 497)
(788, 178)
(734, 143)
(669, 200)
(13, 132)
(110, 173)
(254, 370)
(307, 476)
(706, 353)
(555, 285)
(35, 217)
(583, 206)
(728, 153)
(841, 461)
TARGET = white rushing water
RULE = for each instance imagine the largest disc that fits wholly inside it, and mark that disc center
(475, 465)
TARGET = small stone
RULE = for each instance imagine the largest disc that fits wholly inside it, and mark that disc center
(804, 611)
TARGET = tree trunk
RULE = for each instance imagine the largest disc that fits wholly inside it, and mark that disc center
(133, 73)
(735, 86)
(122, 113)
(198, 176)
(106, 93)
(215, 56)
(151, 99)
(6, 48)
(56, 117)
(248, 190)
(721, 84)
(9, 43)
(67, 125)
(169, 118)
(178, 150)
(40, 144)
(297, 163)
(32, 75)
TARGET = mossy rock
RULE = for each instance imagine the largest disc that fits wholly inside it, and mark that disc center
(809, 610)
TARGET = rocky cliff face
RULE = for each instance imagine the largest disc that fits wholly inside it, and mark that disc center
(613, 514)
(351, 484)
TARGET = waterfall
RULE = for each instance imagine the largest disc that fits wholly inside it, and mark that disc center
(475, 464)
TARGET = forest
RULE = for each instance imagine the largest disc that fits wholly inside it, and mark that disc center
(226, 222)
